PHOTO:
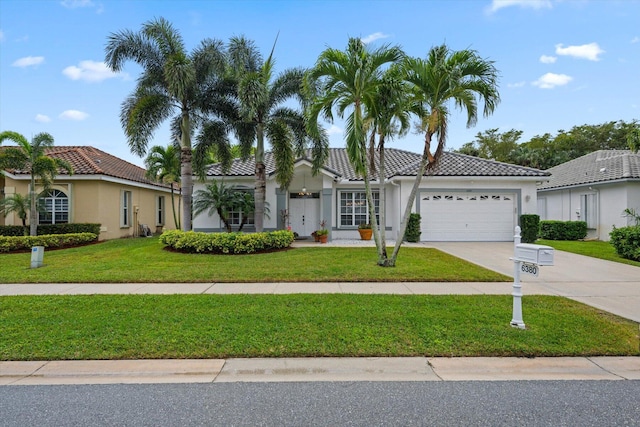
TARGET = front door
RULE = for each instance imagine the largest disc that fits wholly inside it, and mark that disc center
(303, 214)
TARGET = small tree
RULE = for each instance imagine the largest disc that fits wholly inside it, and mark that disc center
(20, 205)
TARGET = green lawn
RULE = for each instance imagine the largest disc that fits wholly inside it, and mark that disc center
(592, 248)
(145, 260)
(222, 326)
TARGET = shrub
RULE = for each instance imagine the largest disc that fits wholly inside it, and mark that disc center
(17, 243)
(563, 230)
(529, 226)
(412, 234)
(226, 243)
(45, 229)
(626, 241)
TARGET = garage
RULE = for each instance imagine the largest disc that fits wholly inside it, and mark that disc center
(467, 216)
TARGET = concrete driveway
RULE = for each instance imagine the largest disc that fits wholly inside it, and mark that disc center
(606, 285)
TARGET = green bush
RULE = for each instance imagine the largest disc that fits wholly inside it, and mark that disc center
(45, 229)
(529, 226)
(412, 234)
(563, 230)
(626, 241)
(17, 243)
(12, 230)
(226, 243)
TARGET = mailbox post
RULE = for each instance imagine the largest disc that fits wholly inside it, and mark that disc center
(527, 259)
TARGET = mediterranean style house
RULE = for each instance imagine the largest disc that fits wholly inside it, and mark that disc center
(595, 188)
(103, 189)
(463, 199)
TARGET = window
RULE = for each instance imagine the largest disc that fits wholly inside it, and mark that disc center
(589, 210)
(125, 209)
(235, 215)
(354, 208)
(160, 213)
(55, 208)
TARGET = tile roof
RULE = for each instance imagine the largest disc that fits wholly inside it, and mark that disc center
(599, 166)
(87, 160)
(398, 163)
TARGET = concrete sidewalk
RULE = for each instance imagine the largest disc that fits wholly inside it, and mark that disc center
(318, 369)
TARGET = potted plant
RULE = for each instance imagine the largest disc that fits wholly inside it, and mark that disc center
(322, 235)
(365, 231)
(315, 236)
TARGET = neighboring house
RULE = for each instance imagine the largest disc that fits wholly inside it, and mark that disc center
(102, 189)
(465, 199)
(595, 188)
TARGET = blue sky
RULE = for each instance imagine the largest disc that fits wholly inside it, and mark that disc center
(562, 63)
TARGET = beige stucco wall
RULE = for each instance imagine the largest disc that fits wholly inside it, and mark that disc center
(99, 201)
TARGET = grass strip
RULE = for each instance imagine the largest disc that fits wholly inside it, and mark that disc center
(145, 260)
(222, 326)
(592, 248)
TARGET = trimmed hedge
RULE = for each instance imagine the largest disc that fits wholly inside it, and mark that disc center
(46, 229)
(17, 243)
(412, 234)
(626, 241)
(529, 226)
(563, 230)
(226, 243)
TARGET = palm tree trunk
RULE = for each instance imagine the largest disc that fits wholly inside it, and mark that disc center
(33, 219)
(186, 171)
(261, 180)
(426, 159)
(382, 199)
(173, 209)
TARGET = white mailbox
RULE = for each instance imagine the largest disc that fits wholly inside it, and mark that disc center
(534, 254)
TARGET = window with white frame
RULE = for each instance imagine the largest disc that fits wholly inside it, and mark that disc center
(55, 208)
(235, 215)
(160, 210)
(354, 209)
(589, 209)
(125, 209)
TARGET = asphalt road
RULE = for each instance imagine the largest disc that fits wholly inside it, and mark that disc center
(508, 403)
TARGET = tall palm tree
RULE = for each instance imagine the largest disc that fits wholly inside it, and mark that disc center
(173, 84)
(20, 205)
(446, 76)
(350, 80)
(263, 106)
(31, 156)
(163, 164)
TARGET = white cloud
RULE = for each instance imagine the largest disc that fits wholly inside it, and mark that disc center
(72, 4)
(589, 51)
(633, 40)
(546, 59)
(373, 37)
(42, 118)
(28, 61)
(73, 115)
(516, 85)
(551, 80)
(334, 130)
(91, 71)
(532, 4)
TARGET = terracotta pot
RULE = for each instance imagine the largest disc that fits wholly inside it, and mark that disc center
(323, 238)
(365, 233)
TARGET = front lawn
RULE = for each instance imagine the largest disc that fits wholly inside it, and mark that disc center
(144, 260)
(592, 248)
(223, 326)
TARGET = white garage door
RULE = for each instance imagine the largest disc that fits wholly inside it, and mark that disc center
(467, 217)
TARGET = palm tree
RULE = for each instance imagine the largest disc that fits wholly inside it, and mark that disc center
(445, 76)
(262, 100)
(351, 80)
(172, 81)
(218, 199)
(20, 205)
(163, 165)
(31, 156)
